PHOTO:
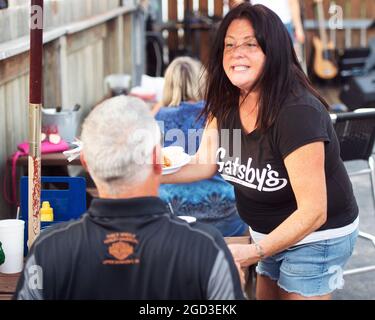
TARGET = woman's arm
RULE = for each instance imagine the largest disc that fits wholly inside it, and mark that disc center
(203, 163)
(305, 168)
(297, 22)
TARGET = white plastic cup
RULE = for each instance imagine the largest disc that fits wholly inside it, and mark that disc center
(12, 238)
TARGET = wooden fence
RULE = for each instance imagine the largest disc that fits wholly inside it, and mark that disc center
(357, 15)
(14, 20)
(201, 31)
(86, 40)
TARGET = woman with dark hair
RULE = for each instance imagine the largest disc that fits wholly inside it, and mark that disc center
(274, 141)
(212, 200)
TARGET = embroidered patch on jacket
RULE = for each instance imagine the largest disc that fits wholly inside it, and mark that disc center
(120, 246)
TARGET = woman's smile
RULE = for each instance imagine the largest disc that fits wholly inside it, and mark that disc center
(240, 68)
(243, 59)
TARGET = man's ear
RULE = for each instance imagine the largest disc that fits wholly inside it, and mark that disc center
(83, 161)
(156, 160)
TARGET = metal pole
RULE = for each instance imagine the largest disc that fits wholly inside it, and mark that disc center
(35, 108)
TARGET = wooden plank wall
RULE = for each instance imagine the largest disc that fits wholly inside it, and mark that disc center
(204, 39)
(173, 39)
(91, 54)
(84, 51)
(353, 9)
(176, 40)
(14, 20)
(13, 112)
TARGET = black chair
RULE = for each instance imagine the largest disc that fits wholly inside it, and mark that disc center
(154, 54)
(356, 134)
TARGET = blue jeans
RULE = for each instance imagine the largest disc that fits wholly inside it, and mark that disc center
(312, 269)
(231, 226)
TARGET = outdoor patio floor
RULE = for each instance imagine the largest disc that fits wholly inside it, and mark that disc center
(362, 285)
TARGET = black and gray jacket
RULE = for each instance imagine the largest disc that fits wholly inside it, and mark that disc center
(129, 249)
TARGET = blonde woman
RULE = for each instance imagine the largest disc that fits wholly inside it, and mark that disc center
(183, 82)
(212, 200)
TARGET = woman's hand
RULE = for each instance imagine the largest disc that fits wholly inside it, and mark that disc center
(203, 164)
(244, 254)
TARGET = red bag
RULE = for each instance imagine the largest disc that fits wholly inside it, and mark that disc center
(23, 150)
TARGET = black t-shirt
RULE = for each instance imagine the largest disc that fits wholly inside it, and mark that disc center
(254, 164)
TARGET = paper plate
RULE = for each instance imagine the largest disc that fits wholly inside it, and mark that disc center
(188, 219)
(178, 158)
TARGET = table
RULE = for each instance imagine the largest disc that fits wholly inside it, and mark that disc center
(50, 159)
(8, 283)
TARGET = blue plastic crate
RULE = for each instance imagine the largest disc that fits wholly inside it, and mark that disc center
(67, 204)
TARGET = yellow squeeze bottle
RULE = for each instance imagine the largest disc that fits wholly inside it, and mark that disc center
(46, 212)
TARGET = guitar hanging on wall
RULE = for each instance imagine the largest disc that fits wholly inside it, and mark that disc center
(324, 64)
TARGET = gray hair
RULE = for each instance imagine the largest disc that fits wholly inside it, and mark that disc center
(118, 138)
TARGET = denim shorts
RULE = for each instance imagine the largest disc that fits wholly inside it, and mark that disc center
(311, 269)
(231, 226)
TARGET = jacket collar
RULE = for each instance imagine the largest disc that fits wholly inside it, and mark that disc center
(127, 207)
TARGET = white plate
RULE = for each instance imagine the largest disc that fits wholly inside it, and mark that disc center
(178, 158)
(188, 219)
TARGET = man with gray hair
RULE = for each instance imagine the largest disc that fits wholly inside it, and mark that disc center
(128, 245)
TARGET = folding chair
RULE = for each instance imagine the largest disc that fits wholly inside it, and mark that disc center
(356, 134)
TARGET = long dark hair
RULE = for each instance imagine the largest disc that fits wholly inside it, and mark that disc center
(281, 73)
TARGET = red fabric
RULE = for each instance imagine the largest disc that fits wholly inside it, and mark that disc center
(23, 150)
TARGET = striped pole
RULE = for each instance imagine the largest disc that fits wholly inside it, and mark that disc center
(35, 110)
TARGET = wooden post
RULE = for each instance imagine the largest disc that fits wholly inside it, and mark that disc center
(189, 43)
(203, 6)
(205, 37)
(172, 33)
(188, 5)
(35, 109)
(340, 33)
(218, 8)
(358, 12)
(64, 79)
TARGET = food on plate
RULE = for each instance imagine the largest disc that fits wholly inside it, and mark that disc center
(173, 158)
(166, 162)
